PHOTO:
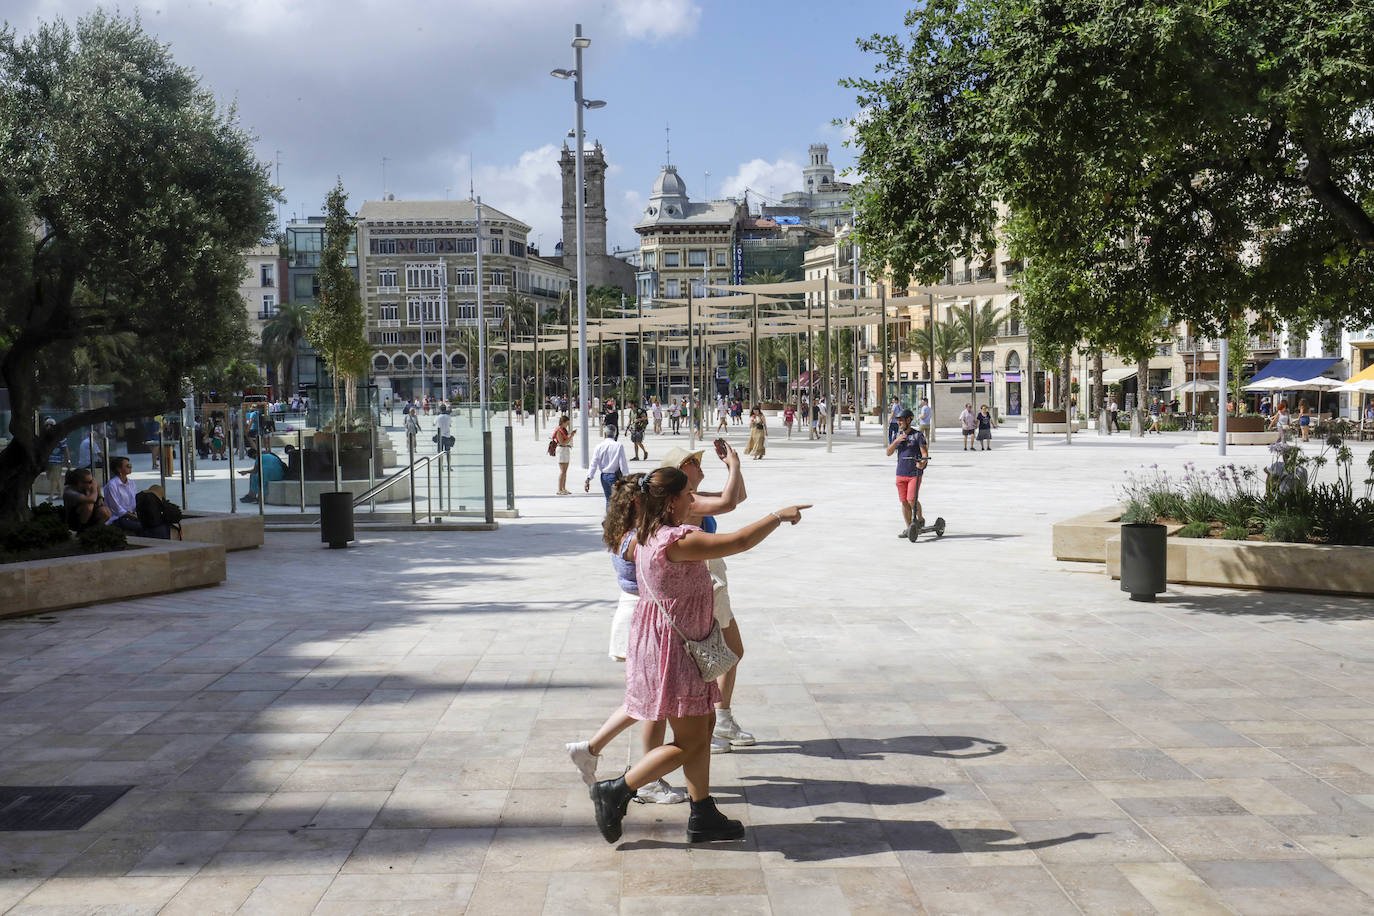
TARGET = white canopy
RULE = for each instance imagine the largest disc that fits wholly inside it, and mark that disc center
(1194, 386)
(1320, 383)
(1273, 383)
(1357, 386)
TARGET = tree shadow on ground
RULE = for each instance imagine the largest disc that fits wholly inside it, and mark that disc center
(830, 838)
(954, 747)
(1256, 603)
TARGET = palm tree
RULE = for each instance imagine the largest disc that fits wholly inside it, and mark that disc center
(765, 276)
(281, 335)
(947, 344)
(984, 322)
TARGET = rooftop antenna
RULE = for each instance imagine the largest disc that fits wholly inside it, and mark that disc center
(705, 182)
(385, 160)
(472, 195)
(278, 183)
(668, 143)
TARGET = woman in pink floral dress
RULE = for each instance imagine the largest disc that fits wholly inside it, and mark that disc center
(661, 680)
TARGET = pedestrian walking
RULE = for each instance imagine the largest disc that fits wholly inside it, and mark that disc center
(562, 442)
(59, 463)
(1304, 419)
(618, 534)
(661, 679)
(968, 422)
(788, 416)
(658, 417)
(607, 462)
(412, 429)
(893, 410)
(758, 433)
(984, 419)
(443, 425)
(637, 427)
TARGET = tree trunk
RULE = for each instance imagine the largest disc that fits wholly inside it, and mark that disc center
(19, 468)
(1099, 394)
(1142, 382)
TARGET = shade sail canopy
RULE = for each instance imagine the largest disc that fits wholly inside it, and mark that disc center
(1366, 374)
(791, 288)
(1295, 368)
(1194, 386)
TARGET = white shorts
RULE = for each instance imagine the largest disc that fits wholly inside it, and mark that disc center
(565, 454)
(720, 592)
(620, 625)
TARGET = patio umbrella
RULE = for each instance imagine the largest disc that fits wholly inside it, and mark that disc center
(1273, 383)
(1319, 384)
(1362, 386)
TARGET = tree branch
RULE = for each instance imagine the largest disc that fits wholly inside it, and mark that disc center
(1338, 203)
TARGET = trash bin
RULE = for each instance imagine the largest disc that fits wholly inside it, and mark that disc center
(1144, 554)
(336, 518)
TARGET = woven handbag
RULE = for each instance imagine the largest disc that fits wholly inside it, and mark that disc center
(712, 656)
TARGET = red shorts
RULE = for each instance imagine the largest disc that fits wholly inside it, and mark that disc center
(907, 488)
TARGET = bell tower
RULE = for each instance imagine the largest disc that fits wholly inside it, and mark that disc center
(594, 205)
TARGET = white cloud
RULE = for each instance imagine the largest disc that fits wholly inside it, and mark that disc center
(657, 19)
(529, 189)
(771, 179)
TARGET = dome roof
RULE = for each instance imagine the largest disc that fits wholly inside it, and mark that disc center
(669, 184)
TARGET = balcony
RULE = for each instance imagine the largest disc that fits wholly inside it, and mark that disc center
(966, 275)
(986, 273)
(463, 288)
(388, 322)
(267, 314)
(497, 288)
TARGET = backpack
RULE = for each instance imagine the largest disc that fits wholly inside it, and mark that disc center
(553, 445)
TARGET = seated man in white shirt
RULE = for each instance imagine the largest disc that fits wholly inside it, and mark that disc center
(121, 497)
(609, 461)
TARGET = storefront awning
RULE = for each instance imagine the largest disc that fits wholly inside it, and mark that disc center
(1298, 369)
(1112, 376)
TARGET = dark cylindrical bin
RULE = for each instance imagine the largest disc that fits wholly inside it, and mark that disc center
(336, 518)
(1143, 560)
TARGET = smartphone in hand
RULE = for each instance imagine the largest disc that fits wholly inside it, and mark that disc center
(720, 448)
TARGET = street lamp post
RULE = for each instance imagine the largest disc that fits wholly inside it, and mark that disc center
(575, 74)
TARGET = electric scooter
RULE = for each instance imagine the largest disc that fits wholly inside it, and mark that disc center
(919, 526)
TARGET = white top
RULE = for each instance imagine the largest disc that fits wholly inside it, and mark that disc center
(967, 419)
(445, 423)
(608, 457)
(120, 497)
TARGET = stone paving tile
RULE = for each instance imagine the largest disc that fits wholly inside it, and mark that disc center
(393, 742)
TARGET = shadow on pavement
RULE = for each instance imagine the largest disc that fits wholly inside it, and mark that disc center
(832, 838)
(794, 792)
(1297, 605)
(954, 747)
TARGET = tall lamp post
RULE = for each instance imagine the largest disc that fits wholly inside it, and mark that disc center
(575, 74)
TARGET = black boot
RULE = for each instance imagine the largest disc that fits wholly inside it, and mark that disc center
(706, 824)
(610, 798)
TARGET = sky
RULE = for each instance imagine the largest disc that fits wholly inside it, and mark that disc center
(427, 100)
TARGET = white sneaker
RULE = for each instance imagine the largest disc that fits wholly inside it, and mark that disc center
(659, 792)
(584, 760)
(729, 731)
(719, 745)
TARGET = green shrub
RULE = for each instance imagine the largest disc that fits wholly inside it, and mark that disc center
(48, 510)
(43, 530)
(1201, 506)
(1339, 519)
(1235, 532)
(1137, 513)
(1165, 503)
(1238, 511)
(102, 538)
(1288, 526)
(1195, 530)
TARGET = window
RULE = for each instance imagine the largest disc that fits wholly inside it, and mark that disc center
(467, 277)
(671, 289)
(698, 288)
(267, 275)
(424, 246)
(424, 311)
(381, 363)
(432, 337)
(696, 258)
(269, 305)
(392, 337)
(305, 286)
(422, 276)
(464, 311)
(674, 357)
(650, 260)
(517, 249)
(400, 360)
(383, 246)
(494, 246)
(498, 278)
(386, 278)
(467, 246)
(672, 259)
(389, 312)
(720, 258)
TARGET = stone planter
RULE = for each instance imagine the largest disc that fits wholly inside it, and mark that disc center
(155, 567)
(237, 531)
(1263, 565)
(1242, 424)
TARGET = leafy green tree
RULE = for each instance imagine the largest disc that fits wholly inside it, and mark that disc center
(938, 347)
(127, 196)
(337, 322)
(1177, 160)
(281, 337)
(978, 326)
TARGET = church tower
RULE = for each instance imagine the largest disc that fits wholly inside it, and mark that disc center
(594, 211)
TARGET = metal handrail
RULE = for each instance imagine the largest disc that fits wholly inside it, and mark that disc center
(381, 487)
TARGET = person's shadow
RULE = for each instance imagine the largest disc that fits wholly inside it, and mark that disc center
(954, 747)
(832, 838)
(793, 792)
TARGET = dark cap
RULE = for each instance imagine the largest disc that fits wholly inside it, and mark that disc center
(905, 414)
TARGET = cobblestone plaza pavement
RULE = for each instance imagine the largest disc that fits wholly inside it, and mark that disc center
(955, 726)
